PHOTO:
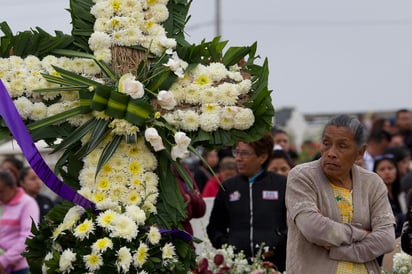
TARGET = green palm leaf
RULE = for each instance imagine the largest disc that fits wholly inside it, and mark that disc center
(108, 151)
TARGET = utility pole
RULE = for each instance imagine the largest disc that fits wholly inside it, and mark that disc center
(217, 18)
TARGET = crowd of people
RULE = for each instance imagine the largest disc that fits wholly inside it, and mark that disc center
(340, 212)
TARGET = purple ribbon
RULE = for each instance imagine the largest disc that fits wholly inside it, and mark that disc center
(17, 127)
(182, 234)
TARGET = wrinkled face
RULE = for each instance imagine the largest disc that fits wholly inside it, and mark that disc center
(31, 183)
(279, 166)
(387, 171)
(339, 152)
(248, 163)
(6, 193)
(282, 140)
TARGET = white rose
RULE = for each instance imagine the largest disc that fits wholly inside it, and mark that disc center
(154, 139)
(166, 99)
(129, 85)
(181, 139)
(180, 152)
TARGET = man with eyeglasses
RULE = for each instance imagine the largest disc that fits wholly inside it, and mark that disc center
(249, 209)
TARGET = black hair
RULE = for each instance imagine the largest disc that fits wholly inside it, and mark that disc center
(7, 178)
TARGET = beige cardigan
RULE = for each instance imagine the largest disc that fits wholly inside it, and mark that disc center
(314, 222)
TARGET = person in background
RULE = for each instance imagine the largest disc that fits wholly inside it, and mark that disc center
(32, 184)
(17, 213)
(339, 216)
(403, 124)
(280, 162)
(396, 140)
(249, 210)
(202, 174)
(227, 169)
(13, 164)
(281, 141)
(377, 142)
(195, 205)
(386, 167)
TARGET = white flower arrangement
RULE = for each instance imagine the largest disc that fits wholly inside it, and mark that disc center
(402, 263)
(124, 130)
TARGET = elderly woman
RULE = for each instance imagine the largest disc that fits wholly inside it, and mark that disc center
(17, 212)
(339, 215)
(249, 210)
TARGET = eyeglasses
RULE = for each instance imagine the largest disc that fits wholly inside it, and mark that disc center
(384, 156)
(241, 153)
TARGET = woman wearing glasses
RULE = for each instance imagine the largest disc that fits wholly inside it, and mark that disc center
(339, 215)
(249, 209)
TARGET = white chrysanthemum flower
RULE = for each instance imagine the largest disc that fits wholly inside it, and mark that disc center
(136, 214)
(124, 259)
(245, 86)
(93, 261)
(66, 261)
(58, 231)
(48, 257)
(101, 245)
(159, 12)
(168, 254)
(106, 218)
(149, 207)
(103, 55)
(134, 198)
(172, 119)
(124, 227)
(102, 9)
(244, 119)
(149, 160)
(217, 72)
(227, 94)
(107, 204)
(209, 121)
(141, 255)
(226, 121)
(32, 62)
(154, 235)
(123, 127)
(23, 105)
(48, 61)
(83, 230)
(190, 120)
(208, 95)
(210, 108)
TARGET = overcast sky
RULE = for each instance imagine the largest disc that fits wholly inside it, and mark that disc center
(323, 55)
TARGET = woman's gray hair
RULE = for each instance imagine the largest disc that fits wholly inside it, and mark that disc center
(359, 132)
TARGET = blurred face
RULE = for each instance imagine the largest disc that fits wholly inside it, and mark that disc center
(339, 153)
(396, 140)
(279, 166)
(387, 171)
(282, 140)
(6, 193)
(403, 166)
(31, 183)
(212, 158)
(227, 173)
(403, 120)
(248, 163)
